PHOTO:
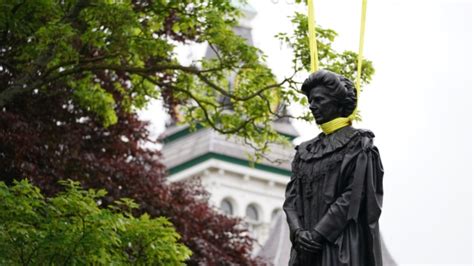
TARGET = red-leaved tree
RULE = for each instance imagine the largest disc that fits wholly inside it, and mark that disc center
(46, 138)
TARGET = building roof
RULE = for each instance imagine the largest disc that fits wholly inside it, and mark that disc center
(183, 146)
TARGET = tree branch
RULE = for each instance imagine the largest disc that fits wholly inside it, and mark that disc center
(28, 77)
(22, 86)
(200, 102)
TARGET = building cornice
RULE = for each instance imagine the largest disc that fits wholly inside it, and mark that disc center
(238, 161)
(186, 130)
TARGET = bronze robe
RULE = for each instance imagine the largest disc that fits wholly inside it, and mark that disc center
(336, 189)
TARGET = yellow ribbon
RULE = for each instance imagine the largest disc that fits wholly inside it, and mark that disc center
(340, 122)
(313, 47)
(335, 124)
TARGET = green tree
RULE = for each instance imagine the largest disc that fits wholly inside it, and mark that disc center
(71, 229)
(117, 55)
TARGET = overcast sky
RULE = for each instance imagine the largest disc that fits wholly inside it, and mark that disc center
(418, 106)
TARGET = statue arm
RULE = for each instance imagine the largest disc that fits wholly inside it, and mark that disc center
(290, 204)
(290, 208)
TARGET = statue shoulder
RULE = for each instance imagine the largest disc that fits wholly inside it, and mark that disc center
(302, 146)
(302, 152)
(365, 139)
(365, 132)
(362, 143)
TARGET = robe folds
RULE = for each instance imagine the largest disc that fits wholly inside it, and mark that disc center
(336, 189)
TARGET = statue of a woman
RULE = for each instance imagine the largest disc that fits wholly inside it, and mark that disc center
(334, 199)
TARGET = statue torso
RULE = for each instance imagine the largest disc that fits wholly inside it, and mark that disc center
(317, 168)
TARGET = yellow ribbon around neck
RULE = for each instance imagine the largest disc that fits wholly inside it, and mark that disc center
(340, 122)
(335, 124)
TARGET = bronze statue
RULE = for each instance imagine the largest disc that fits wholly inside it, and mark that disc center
(334, 198)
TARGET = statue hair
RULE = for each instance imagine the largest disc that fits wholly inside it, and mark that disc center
(341, 89)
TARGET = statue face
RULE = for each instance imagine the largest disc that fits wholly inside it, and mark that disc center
(323, 106)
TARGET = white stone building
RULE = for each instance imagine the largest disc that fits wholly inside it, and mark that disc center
(236, 185)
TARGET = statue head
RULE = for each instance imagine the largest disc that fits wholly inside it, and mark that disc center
(329, 95)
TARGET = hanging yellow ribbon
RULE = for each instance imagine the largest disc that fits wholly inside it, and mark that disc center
(339, 122)
(361, 50)
(313, 47)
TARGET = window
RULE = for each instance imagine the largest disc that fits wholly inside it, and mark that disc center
(252, 213)
(275, 213)
(226, 207)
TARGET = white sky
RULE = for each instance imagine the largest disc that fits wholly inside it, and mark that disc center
(418, 106)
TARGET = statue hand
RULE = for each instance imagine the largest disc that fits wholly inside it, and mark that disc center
(317, 237)
(304, 241)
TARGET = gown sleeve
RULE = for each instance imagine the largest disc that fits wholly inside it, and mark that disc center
(290, 205)
(365, 181)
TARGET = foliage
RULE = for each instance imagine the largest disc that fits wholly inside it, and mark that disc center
(344, 63)
(71, 229)
(46, 137)
(117, 55)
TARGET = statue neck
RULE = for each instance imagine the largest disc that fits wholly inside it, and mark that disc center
(335, 124)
